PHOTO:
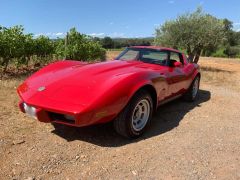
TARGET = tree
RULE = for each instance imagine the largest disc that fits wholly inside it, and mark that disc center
(43, 46)
(192, 32)
(29, 49)
(232, 51)
(11, 44)
(107, 43)
(78, 46)
(231, 44)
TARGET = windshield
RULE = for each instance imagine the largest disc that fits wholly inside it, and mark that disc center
(145, 55)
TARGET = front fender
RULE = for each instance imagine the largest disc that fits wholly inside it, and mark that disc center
(136, 82)
(116, 94)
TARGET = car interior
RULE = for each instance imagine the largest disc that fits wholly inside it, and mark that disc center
(165, 58)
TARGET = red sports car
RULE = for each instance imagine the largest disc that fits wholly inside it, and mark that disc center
(126, 90)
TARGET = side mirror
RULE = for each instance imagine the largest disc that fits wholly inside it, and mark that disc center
(177, 64)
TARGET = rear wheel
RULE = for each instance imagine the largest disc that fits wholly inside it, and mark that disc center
(135, 117)
(192, 92)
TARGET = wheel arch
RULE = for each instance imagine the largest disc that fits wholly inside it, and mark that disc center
(151, 90)
(197, 72)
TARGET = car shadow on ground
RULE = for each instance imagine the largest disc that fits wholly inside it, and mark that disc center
(212, 69)
(165, 119)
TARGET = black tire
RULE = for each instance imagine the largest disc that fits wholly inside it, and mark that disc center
(189, 95)
(123, 123)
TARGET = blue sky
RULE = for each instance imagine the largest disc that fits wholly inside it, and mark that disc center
(115, 18)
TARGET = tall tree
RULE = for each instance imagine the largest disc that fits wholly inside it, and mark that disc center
(193, 32)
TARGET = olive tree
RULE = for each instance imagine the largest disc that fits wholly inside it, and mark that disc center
(192, 32)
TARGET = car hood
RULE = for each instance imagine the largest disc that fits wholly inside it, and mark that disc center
(75, 82)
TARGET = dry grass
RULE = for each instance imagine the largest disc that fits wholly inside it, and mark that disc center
(112, 54)
(220, 71)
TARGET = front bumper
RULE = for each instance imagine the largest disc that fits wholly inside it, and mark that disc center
(46, 116)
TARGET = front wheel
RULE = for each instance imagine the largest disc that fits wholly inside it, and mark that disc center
(135, 117)
(192, 92)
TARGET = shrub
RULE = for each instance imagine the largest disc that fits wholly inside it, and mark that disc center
(78, 46)
(232, 51)
(219, 53)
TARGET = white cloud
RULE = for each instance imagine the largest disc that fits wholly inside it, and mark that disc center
(236, 26)
(101, 35)
(236, 23)
(51, 34)
(97, 34)
(59, 34)
(39, 34)
(117, 35)
(112, 35)
(171, 2)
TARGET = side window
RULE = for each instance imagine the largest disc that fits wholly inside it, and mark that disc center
(174, 56)
(158, 57)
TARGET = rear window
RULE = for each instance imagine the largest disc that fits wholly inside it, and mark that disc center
(131, 54)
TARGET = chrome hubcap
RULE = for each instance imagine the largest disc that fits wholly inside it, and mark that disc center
(195, 87)
(140, 115)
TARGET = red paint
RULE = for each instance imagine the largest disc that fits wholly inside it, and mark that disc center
(177, 64)
(97, 92)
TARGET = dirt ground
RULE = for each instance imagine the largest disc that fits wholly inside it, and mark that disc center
(199, 140)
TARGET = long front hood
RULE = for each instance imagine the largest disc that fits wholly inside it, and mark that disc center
(74, 83)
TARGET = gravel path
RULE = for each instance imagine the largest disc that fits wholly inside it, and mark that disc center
(199, 140)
